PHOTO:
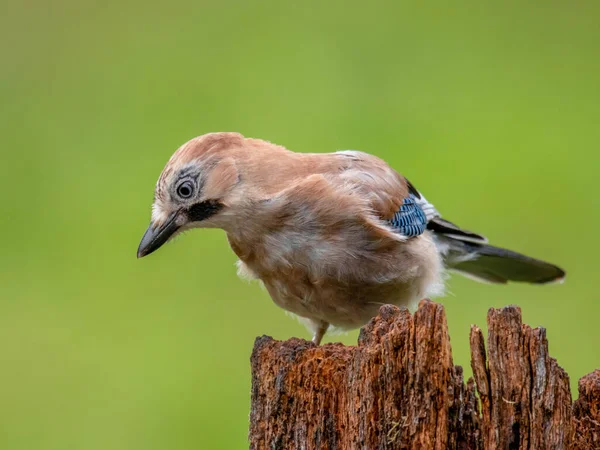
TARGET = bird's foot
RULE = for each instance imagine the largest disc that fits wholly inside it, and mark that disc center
(320, 332)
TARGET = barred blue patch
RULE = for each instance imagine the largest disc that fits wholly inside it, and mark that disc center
(410, 220)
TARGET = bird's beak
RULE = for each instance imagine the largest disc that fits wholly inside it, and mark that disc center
(156, 235)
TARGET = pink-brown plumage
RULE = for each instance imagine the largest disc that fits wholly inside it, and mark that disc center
(314, 228)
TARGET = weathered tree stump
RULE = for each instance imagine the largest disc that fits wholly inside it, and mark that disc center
(399, 389)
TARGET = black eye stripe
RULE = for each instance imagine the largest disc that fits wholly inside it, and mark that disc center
(203, 210)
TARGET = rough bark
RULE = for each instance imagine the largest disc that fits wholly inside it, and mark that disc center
(586, 413)
(399, 389)
(525, 395)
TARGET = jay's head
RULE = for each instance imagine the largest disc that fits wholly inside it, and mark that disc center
(200, 187)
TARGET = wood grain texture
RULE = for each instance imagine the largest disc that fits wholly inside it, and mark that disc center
(586, 413)
(399, 389)
(525, 395)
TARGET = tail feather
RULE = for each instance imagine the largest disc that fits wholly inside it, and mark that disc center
(493, 264)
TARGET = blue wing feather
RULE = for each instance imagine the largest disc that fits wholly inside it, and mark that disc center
(410, 220)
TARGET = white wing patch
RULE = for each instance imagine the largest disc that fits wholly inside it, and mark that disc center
(427, 207)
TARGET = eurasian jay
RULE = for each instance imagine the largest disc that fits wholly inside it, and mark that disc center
(331, 236)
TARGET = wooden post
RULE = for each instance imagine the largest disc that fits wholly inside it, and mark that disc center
(399, 389)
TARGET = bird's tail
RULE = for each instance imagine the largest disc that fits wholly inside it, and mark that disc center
(469, 254)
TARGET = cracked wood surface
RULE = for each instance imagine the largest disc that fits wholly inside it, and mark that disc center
(399, 389)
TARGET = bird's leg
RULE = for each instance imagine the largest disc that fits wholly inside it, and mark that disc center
(320, 330)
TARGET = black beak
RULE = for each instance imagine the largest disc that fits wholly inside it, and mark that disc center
(156, 236)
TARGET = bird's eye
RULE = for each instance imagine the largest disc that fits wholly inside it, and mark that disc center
(185, 189)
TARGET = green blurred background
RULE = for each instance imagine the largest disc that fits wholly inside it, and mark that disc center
(493, 111)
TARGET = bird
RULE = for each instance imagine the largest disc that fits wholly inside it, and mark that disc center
(331, 236)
